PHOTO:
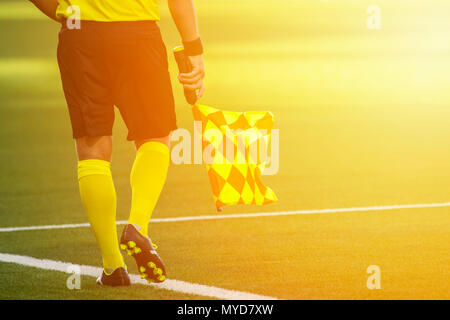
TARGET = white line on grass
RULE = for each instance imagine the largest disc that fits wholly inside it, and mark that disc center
(243, 215)
(169, 284)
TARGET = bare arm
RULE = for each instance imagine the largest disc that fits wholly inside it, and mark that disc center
(183, 14)
(48, 7)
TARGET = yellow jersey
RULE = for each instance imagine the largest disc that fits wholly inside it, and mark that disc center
(109, 10)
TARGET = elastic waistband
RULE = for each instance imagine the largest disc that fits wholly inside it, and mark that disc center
(88, 24)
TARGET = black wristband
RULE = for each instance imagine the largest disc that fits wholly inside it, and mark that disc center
(193, 48)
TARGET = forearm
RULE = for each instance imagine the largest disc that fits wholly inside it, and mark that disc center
(183, 14)
(48, 7)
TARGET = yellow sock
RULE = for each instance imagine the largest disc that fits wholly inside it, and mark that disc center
(99, 199)
(147, 180)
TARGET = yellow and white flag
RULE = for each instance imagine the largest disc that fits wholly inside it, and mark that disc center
(237, 143)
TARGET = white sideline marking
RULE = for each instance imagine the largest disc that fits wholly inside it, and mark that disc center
(169, 284)
(242, 215)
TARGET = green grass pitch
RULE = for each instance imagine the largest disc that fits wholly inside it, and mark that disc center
(363, 118)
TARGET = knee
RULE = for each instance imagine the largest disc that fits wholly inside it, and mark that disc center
(94, 148)
(165, 140)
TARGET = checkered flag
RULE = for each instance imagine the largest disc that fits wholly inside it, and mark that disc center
(238, 144)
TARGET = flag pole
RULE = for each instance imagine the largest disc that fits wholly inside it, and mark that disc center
(185, 67)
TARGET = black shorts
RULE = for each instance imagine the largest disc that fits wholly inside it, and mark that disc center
(122, 64)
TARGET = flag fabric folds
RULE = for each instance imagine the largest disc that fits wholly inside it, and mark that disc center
(238, 143)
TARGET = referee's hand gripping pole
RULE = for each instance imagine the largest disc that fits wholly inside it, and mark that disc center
(184, 66)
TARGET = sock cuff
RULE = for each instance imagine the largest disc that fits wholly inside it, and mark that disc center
(154, 146)
(93, 167)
